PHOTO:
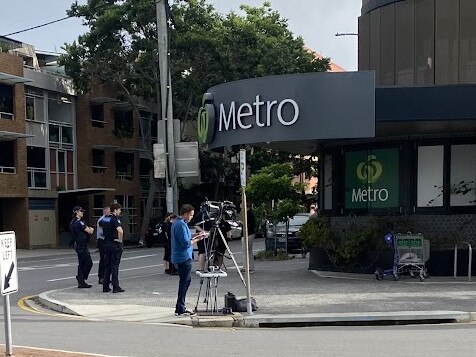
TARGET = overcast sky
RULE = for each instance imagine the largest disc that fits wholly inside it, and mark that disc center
(317, 21)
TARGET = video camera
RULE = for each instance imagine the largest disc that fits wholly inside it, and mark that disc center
(217, 211)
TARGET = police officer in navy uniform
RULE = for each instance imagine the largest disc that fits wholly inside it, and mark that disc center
(113, 237)
(79, 239)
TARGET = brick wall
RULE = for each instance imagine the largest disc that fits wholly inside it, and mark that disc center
(440, 229)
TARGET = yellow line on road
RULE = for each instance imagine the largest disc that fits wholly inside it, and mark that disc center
(24, 306)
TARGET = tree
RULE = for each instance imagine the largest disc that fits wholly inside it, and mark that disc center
(275, 196)
(207, 49)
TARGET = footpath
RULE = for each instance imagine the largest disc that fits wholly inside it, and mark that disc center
(287, 294)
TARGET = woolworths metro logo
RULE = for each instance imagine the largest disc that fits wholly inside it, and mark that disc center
(369, 171)
(206, 119)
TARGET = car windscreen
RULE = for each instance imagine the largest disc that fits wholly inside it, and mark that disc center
(296, 221)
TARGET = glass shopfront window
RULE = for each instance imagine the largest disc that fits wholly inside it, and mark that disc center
(430, 176)
(463, 175)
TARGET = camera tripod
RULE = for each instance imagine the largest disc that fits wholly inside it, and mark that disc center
(212, 271)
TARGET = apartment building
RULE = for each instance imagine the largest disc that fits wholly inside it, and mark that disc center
(60, 150)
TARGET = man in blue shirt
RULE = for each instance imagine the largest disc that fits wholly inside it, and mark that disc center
(182, 249)
(79, 238)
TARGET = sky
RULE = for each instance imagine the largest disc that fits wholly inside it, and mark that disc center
(316, 21)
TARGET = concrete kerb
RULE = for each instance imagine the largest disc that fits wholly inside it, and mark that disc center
(56, 305)
(314, 319)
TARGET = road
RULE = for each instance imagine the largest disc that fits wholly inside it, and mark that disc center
(50, 330)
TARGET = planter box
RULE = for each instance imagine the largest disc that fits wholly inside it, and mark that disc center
(366, 264)
(440, 262)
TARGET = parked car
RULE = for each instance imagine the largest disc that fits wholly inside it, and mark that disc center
(278, 240)
(153, 235)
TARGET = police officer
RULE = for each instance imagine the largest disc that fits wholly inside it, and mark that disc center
(79, 239)
(101, 244)
(113, 237)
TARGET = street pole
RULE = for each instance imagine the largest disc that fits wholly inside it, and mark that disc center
(8, 325)
(249, 308)
(166, 105)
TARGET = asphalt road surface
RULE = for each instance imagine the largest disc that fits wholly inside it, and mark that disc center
(46, 329)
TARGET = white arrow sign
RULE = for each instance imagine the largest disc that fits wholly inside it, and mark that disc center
(8, 263)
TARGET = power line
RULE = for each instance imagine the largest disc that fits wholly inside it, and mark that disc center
(38, 26)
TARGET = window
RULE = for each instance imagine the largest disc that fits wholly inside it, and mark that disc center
(375, 43)
(34, 105)
(99, 203)
(446, 50)
(54, 133)
(61, 135)
(36, 167)
(129, 213)
(387, 45)
(99, 161)
(7, 157)
(424, 41)
(97, 115)
(61, 162)
(60, 108)
(404, 42)
(123, 124)
(124, 166)
(6, 101)
(467, 55)
(463, 175)
(430, 176)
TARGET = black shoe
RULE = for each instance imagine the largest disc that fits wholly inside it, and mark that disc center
(118, 290)
(101, 281)
(174, 272)
(84, 286)
(106, 290)
(167, 271)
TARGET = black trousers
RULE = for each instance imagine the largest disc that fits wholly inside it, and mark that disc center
(102, 258)
(112, 261)
(85, 263)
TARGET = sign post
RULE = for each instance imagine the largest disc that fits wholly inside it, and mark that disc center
(8, 281)
(245, 229)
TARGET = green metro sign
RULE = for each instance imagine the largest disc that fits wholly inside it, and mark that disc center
(372, 179)
(206, 120)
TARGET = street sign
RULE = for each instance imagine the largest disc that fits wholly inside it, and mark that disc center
(186, 159)
(243, 167)
(8, 263)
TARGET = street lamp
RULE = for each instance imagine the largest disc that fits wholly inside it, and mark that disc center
(346, 34)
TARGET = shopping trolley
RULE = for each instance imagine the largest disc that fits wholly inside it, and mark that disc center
(410, 254)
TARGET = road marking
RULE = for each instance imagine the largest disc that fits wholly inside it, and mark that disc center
(64, 265)
(64, 351)
(24, 306)
(120, 270)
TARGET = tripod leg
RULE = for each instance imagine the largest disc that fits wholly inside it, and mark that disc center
(199, 292)
(232, 257)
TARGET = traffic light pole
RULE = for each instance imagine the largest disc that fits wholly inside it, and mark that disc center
(166, 105)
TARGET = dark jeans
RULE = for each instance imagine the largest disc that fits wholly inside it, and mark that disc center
(102, 258)
(111, 263)
(184, 270)
(85, 263)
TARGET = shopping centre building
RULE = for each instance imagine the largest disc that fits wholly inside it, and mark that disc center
(396, 138)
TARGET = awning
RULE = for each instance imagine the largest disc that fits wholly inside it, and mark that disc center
(86, 191)
(105, 147)
(124, 106)
(103, 100)
(11, 135)
(11, 79)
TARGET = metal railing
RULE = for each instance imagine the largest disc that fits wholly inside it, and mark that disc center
(470, 259)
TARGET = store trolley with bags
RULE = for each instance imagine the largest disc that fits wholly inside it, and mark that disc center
(410, 254)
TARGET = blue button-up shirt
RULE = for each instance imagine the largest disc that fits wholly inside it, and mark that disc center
(182, 248)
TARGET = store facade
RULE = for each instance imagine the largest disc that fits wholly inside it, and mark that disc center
(397, 138)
